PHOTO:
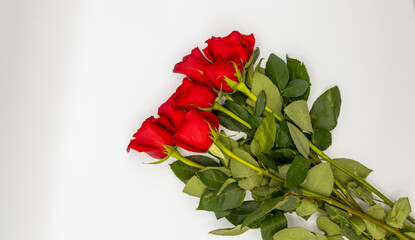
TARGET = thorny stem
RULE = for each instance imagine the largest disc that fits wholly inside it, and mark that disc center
(343, 198)
(244, 89)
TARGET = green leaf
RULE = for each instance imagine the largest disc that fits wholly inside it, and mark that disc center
(212, 178)
(227, 141)
(307, 207)
(266, 191)
(337, 215)
(284, 155)
(225, 170)
(351, 165)
(265, 207)
(194, 187)
(269, 162)
(399, 212)
(289, 203)
(261, 102)
(255, 55)
(255, 122)
(183, 171)
(327, 226)
(408, 227)
(357, 224)
(258, 67)
(321, 138)
(296, 88)
(298, 70)
(276, 69)
(358, 191)
(273, 96)
(230, 231)
(265, 134)
(298, 112)
(294, 234)
(326, 109)
(297, 171)
(410, 234)
(230, 123)
(221, 214)
(231, 197)
(204, 160)
(238, 169)
(283, 169)
(251, 182)
(320, 236)
(273, 224)
(239, 98)
(377, 212)
(349, 233)
(238, 215)
(283, 139)
(237, 109)
(300, 140)
(319, 179)
(249, 76)
(225, 184)
(255, 147)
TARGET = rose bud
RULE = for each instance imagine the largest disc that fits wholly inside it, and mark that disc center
(234, 43)
(173, 113)
(193, 65)
(214, 75)
(151, 138)
(195, 132)
(192, 95)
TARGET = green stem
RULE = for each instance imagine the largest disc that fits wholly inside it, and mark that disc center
(347, 194)
(358, 213)
(343, 198)
(220, 108)
(186, 161)
(244, 89)
(228, 152)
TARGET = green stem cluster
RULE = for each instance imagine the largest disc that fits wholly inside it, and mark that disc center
(311, 195)
(350, 209)
(244, 89)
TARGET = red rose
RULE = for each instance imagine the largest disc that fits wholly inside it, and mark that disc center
(193, 65)
(173, 113)
(234, 43)
(195, 132)
(192, 95)
(214, 74)
(150, 138)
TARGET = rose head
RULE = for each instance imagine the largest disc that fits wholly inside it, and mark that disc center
(193, 65)
(173, 113)
(234, 43)
(192, 95)
(214, 75)
(195, 132)
(150, 138)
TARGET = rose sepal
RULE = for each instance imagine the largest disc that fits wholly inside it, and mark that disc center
(169, 150)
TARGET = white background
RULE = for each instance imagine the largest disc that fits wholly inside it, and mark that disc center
(77, 78)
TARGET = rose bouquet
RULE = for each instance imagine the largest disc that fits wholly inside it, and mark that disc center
(278, 155)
